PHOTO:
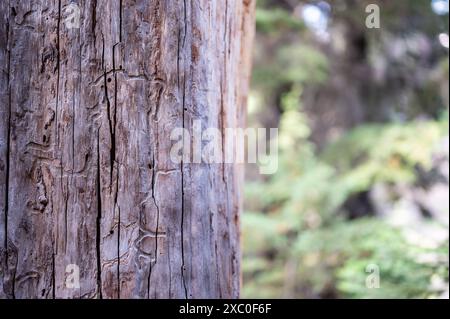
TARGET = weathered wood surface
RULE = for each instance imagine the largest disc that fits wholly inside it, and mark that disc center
(85, 174)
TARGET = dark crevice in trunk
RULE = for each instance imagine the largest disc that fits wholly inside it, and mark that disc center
(184, 22)
(118, 254)
(182, 209)
(58, 60)
(183, 278)
(149, 277)
(226, 23)
(222, 129)
(8, 148)
(120, 19)
(113, 156)
(99, 217)
(157, 214)
(94, 19)
(66, 200)
(53, 277)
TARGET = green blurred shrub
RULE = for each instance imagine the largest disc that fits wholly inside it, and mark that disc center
(296, 241)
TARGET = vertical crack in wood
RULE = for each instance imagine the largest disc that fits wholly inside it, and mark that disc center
(113, 142)
(8, 143)
(183, 277)
(148, 279)
(183, 201)
(157, 213)
(53, 276)
(118, 252)
(120, 19)
(222, 128)
(94, 20)
(110, 120)
(58, 60)
(66, 207)
(98, 222)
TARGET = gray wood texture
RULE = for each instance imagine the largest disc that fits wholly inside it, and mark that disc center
(85, 174)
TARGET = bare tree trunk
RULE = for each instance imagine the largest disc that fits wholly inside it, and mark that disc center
(85, 174)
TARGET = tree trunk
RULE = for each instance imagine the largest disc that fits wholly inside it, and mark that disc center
(85, 174)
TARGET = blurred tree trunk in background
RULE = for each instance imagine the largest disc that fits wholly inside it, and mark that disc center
(85, 174)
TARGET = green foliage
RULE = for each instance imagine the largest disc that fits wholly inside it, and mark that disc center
(296, 243)
(275, 21)
(348, 249)
(292, 64)
(299, 240)
(384, 153)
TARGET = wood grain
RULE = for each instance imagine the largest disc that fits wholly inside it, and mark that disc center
(85, 173)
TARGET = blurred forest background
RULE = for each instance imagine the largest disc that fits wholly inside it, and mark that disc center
(363, 174)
